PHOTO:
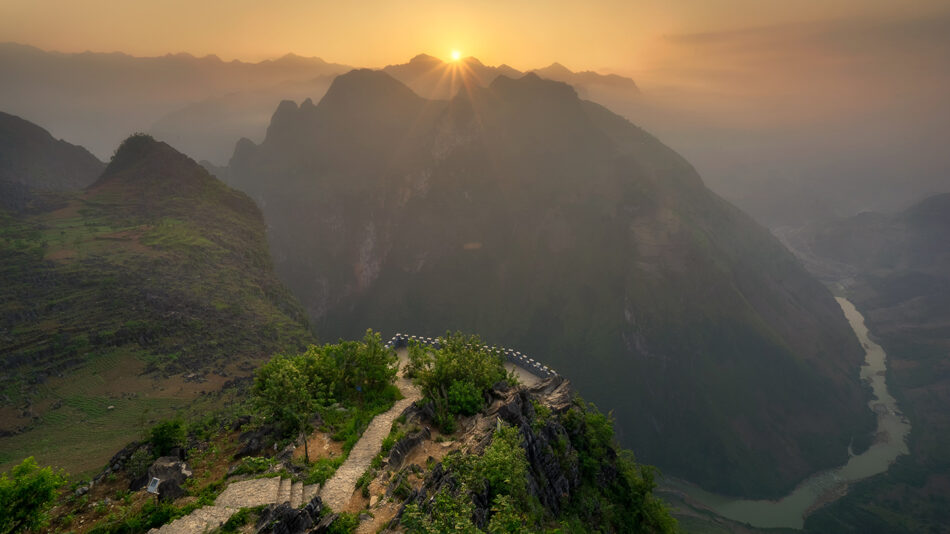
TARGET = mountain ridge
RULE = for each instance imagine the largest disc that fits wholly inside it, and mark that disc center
(29, 155)
(502, 217)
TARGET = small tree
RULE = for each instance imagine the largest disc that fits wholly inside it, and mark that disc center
(167, 435)
(282, 390)
(456, 376)
(26, 493)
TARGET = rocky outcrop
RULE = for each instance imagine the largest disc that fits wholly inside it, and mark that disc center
(254, 441)
(284, 519)
(404, 446)
(553, 469)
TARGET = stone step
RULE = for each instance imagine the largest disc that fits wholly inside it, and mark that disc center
(310, 491)
(296, 495)
(249, 493)
(283, 491)
(201, 520)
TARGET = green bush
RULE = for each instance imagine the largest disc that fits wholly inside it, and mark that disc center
(151, 515)
(252, 465)
(465, 398)
(346, 523)
(503, 466)
(323, 469)
(26, 494)
(167, 435)
(456, 376)
(291, 389)
(243, 517)
(138, 464)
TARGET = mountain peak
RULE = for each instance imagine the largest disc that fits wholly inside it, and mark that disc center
(152, 169)
(362, 85)
(473, 61)
(557, 68)
(425, 58)
(135, 149)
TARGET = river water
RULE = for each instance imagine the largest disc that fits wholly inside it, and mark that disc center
(825, 486)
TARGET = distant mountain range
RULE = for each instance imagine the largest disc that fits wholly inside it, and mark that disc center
(203, 105)
(543, 221)
(98, 99)
(430, 77)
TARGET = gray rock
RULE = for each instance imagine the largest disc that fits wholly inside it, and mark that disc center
(283, 519)
(173, 473)
(403, 447)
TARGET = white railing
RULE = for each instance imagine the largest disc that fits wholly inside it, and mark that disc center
(513, 356)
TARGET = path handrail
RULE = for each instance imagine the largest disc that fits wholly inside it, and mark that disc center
(511, 355)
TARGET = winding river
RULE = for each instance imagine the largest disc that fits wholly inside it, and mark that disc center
(825, 486)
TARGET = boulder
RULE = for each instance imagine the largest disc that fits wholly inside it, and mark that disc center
(402, 447)
(254, 441)
(172, 472)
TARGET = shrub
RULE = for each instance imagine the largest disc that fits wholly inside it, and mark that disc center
(138, 464)
(465, 398)
(456, 376)
(345, 524)
(290, 389)
(244, 516)
(167, 435)
(252, 465)
(323, 469)
(26, 494)
(151, 515)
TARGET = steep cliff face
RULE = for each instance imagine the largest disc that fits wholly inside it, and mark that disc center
(544, 221)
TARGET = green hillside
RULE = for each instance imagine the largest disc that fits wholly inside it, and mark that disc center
(128, 300)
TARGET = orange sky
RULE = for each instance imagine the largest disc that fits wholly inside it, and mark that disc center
(619, 35)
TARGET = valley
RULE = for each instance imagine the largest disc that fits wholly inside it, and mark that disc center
(821, 489)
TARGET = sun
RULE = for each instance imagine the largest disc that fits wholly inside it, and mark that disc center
(456, 55)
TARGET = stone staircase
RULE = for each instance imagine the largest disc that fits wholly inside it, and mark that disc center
(243, 494)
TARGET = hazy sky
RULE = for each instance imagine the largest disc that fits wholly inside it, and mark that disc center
(621, 35)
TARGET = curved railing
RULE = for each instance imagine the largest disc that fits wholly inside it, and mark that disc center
(511, 355)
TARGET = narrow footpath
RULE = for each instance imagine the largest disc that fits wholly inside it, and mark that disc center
(338, 490)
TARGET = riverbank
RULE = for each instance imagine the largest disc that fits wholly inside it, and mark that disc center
(823, 487)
